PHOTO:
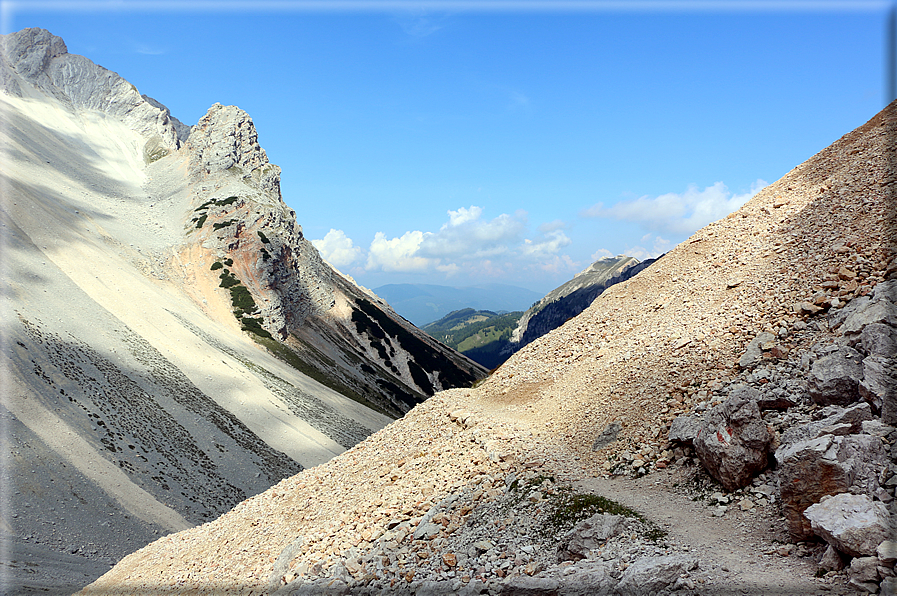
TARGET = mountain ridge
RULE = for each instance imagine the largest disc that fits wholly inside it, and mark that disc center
(158, 369)
(444, 500)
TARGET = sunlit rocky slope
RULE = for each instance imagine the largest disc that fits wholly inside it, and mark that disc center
(172, 343)
(769, 329)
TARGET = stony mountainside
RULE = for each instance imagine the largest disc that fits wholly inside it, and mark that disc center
(351, 338)
(571, 470)
(572, 297)
(172, 344)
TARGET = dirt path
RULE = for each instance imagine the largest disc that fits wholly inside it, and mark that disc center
(737, 552)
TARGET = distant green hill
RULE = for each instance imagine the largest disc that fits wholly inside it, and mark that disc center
(478, 334)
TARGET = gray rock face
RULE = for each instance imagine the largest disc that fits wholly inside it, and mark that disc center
(734, 442)
(853, 524)
(877, 310)
(684, 429)
(836, 421)
(812, 469)
(589, 534)
(879, 384)
(835, 378)
(607, 436)
(878, 339)
(831, 560)
(887, 552)
(573, 297)
(753, 354)
(864, 569)
(36, 60)
(651, 575)
(530, 586)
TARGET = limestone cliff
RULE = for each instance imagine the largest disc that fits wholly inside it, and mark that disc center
(349, 336)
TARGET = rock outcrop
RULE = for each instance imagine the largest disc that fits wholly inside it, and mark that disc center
(37, 62)
(573, 297)
(353, 340)
(734, 443)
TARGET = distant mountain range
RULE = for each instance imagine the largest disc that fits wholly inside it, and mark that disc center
(424, 303)
(481, 335)
(489, 338)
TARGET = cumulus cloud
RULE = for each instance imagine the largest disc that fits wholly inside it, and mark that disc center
(655, 246)
(337, 248)
(549, 244)
(397, 254)
(466, 236)
(470, 243)
(678, 213)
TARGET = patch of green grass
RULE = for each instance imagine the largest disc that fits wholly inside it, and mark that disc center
(571, 508)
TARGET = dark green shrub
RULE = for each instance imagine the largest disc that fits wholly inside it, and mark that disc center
(263, 238)
(201, 220)
(228, 262)
(228, 279)
(216, 265)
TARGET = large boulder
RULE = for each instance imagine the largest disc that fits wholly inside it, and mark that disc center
(879, 339)
(812, 469)
(753, 354)
(607, 436)
(589, 534)
(874, 311)
(834, 379)
(652, 575)
(684, 429)
(853, 524)
(734, 442)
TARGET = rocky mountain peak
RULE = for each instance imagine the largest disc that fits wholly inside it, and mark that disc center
(225, 139)
(36, 63)
(29, 51)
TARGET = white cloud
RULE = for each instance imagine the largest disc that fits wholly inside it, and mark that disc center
(678, 213)
(421, 24)
(337, 248)
(466, 236)
(549, 245)
(462, 215)
(658, 247)
(397, 254)
(467, 243)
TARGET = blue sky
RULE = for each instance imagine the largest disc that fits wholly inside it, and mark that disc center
(507, 142)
